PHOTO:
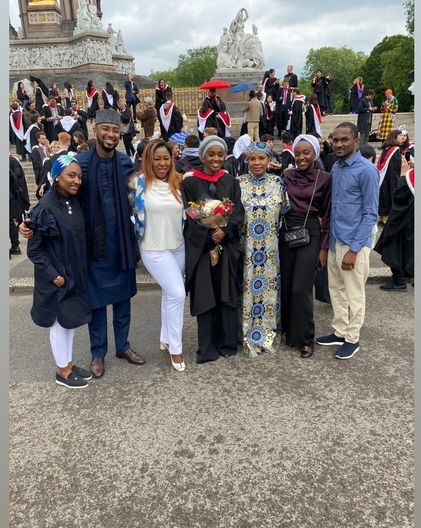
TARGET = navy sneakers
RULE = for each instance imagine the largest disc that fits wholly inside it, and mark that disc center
(347, 350)
(330, 340)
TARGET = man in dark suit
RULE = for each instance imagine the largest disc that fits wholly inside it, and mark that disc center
(131, 95)
(283, 106)
(38, 154)
(291, 77)
(365, 116)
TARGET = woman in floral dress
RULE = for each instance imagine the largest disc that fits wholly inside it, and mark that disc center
(264, 199)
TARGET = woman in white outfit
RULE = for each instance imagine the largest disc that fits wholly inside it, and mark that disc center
(158, 210)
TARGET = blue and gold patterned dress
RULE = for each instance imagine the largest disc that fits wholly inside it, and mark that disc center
(264, 199)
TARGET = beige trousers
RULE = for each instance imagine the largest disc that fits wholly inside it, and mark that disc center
(253, 130)
(347, 292)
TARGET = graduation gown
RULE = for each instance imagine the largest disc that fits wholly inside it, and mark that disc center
(396, 242)
(296, 117)
(199, 273)
(18, 189)
(51, 129)
(175, 125)
(390, 181)
(58, 247)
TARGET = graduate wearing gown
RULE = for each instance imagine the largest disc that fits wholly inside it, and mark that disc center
(214, 290)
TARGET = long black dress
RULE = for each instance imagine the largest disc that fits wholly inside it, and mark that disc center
(214, 291)
(58, 247)
(390, 181)
(396, 243)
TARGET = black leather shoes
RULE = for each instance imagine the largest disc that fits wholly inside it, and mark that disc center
(132, 357)
(307, 351)
(97, 367)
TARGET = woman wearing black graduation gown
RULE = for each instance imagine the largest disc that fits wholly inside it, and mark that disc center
(214, 290)
(58, 252)
(389, 165)
(396, 243)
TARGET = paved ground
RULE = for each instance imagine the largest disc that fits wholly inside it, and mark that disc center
(272, 442)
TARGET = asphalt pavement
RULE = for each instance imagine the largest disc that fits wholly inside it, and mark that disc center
(272, 442)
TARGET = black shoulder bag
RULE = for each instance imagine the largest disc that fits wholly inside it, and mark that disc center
(299, 235)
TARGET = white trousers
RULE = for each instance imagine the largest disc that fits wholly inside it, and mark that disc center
(167, 268)
(61, 340)
(347, 292)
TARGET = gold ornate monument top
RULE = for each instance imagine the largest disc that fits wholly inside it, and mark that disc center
(36, 3)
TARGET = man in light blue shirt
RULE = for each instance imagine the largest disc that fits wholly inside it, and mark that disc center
(355, 196)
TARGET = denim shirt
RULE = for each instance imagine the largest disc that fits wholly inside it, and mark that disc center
(355, 199)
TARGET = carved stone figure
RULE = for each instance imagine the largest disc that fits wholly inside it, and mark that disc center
(87, 18)
(120, 48)
(237, 49)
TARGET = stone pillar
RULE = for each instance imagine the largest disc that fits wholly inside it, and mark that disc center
(23, 14)
(69, 21)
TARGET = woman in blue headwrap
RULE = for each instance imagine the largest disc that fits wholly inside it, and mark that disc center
(58, 251)
(309, 193)
(264, 199)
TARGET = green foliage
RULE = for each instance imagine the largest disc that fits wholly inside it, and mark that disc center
(342, 64)
(388, 66)
(194, 67)
(410, 16)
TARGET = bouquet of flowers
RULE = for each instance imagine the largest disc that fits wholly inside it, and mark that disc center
(211, 213)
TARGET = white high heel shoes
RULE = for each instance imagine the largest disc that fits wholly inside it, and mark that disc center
(179, 367)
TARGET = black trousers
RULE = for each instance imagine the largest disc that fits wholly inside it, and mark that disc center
(297, 278)
(283, 117)
(13, 233)
(127, 140)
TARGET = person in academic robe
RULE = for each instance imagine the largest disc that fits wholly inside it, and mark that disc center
(296, 113)
(319, 84)
(270, 115)
(81, 116)
(328, 94)
(69, 124)
(58, 251)
(214, 289)
(162, 90)
(41, 96)
(21, 94)
(128, 131)
(17, 129)
(287, 155)
(283, 107)
(365, 116)
(396, 242)
(38, 154)
(207, 118)
(53, 114)
(356, 94)
(224, 120)
(28, 113)
(53, 92)
(18, 202)
(68, 94)
(170, 120)
(313, 117)
(31, 133)
(110, 96)
(269, 83)
(131, 94)
(91, 95)
(389, 165)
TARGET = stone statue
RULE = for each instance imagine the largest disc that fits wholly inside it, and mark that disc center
(237, 49)
(120, 48)
(87, 18)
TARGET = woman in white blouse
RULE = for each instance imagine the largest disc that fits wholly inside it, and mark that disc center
(158, 210)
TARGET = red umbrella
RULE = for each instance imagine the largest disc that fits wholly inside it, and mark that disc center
(214, 84)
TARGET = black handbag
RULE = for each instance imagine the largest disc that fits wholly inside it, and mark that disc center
(298, 236)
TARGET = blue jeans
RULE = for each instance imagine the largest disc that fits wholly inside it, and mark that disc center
(98, 329)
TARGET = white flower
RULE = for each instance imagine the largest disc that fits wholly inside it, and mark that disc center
(210, 205)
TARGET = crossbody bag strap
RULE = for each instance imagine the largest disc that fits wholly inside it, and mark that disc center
(311, 201)
(312, 196)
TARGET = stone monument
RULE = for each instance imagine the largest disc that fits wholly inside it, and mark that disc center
(65, 40)
(240, 55)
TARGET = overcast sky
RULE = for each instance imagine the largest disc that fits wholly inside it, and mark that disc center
(156, 33)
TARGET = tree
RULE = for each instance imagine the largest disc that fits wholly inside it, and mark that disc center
(342, 64)
(410, 16)
(194, 67)
(388, 66)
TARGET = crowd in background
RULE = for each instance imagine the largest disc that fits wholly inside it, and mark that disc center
(314, 205)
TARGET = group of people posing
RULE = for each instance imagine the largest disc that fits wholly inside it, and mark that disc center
(249, 277)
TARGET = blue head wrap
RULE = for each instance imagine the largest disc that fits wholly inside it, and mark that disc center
(259, 146)
(60, 163)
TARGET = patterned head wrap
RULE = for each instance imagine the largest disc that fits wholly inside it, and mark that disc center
(314, 142)
(61, 163)
(258, 146)
(211, 141)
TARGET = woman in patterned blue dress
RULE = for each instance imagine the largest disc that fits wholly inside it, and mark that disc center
(264, 199)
